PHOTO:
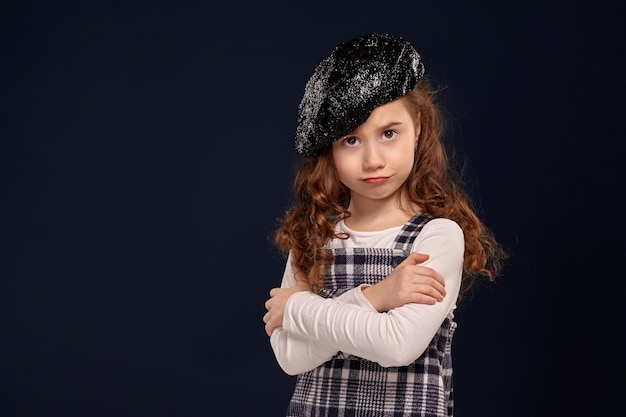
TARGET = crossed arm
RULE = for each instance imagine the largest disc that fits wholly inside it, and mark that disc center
(391, 322)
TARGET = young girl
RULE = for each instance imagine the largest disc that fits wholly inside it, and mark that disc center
(381, 243)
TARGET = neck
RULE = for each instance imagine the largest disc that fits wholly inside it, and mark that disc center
(379, 214)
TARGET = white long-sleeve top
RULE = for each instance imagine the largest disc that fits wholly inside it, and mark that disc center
(315, 328)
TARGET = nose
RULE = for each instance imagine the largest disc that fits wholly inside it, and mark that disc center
(373, 157)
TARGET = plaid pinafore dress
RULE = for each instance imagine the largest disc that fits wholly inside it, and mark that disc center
(348, 385)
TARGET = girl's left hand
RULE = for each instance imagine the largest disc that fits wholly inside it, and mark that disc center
(276, 305)
(409, 282)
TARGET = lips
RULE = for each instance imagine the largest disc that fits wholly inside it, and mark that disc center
(376, 180)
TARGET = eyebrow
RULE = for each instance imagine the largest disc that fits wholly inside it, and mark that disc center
(389, 125)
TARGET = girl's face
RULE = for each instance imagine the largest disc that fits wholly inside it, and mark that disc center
(375, 160)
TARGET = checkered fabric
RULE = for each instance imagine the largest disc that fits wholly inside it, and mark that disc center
(351, 386)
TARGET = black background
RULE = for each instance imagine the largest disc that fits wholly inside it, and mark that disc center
(146, 151)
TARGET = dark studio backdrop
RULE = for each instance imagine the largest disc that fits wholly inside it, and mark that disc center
(146, 151)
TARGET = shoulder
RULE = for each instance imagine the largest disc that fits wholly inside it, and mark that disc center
(444, 226)
(441, 230)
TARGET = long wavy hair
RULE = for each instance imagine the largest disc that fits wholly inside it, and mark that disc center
(433, 184)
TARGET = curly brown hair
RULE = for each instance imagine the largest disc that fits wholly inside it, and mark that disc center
(433, 185)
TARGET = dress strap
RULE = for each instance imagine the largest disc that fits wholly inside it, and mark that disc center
(408, 233)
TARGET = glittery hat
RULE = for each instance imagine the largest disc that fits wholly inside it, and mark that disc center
(358, 76)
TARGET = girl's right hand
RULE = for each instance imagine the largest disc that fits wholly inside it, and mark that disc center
(408, 283)
(275, 306)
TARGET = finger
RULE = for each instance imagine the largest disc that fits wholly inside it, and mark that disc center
(437, 290)
(425, 283)
(415, 258)
(270, 327)
(429, 272)
(273, 292)
(436, 283)
(423, 299)
(437, 293)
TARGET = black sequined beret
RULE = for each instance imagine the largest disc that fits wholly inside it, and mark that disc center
(358, 76)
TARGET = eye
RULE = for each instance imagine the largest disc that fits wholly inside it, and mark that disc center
(389, 134)
(350, 141)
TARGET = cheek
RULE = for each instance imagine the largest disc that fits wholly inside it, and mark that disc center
(341, 167)
(406, 159)
(343, 173)
(410, 160)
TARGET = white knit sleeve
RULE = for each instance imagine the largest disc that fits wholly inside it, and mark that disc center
(394, 338)
(297, 354)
